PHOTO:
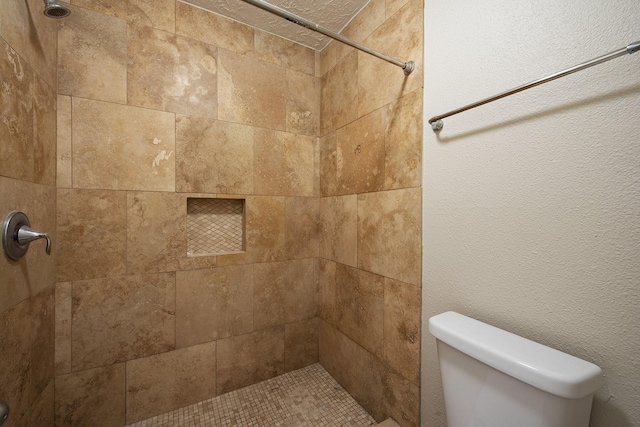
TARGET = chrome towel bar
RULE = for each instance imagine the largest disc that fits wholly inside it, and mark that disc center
(437, 124)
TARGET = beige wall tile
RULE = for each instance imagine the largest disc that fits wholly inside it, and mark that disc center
(283, 163)
(280, 51)
(42, 410)
(248, 359)
(26, 365)
(265, 232)
(403, 142)
(401, 37)
(16, 115)
(36, 270)
(392, 6)
(171, 73)
(156, 231)
(316, 167)
(338, 355)
(339, 88)
(32, 35)
(401, 399)
(41, 313)
(328, 58)
(157, 234)
(44, 133)
(389, 231)
(380, 390)
(251, 91)
(213, 29)
(63, 294)
(302, 227)
(92, 227)
(108, 7)
(63, 152)
(362, 25)
(328, 164)
(122, 318)
(168, 381)
(284, 292)
(300, 344)
(92, 60)
(95, 397)
(327, 309)
(213, 156)
(14, 364)
(213, 304)
(303, 103)
(112, 151)
(317, 65)
(339, 229)
(360, 307)
(402, 328)
(159, 14)
(360, 155)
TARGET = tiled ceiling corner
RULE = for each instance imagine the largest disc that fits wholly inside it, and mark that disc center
(331, 14)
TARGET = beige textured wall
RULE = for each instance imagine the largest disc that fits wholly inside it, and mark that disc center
(531, 203)
(27, 184)
(159, 101)
(370, 212)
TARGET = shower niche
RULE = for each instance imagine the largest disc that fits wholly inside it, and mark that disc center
(215, 226)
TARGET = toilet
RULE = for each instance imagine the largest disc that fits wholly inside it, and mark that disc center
(493, 378)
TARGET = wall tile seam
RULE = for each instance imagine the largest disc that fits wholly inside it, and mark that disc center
(18, 181)
(126, 19)
(382, 361)
(384, 335)
(177, 115)
(128, 103)
(28, 298)
(388, 104)
(125, 361)
(386, 190)
(363, 41)
(371, 272)
(25, 61)
(279, 325)
(254, 37)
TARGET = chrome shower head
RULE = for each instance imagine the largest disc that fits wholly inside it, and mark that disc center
(53, 9)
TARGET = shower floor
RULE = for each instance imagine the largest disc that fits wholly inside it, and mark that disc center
(306, 397)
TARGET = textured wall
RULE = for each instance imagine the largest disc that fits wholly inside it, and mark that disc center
(159, 101)
(370, 212)
(531, 203)
(27, 184)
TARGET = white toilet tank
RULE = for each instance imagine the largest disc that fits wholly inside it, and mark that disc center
(493, 378)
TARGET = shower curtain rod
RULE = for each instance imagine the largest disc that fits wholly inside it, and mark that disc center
(437, 124)
(408, 67)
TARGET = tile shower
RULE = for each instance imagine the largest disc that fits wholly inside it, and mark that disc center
(158, 103)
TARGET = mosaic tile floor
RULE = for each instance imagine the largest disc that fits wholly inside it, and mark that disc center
(306, 397)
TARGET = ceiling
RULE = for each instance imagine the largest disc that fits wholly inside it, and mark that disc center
(331, 14)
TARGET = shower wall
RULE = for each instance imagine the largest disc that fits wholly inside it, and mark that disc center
(158, 102)
(27, 183)
(370, 211)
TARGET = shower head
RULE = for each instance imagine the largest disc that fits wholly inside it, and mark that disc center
(53, 9)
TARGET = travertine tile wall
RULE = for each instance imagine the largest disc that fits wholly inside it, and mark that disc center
(27, 183)
(370, 211)
(159, 101)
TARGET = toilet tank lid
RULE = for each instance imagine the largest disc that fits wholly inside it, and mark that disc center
(535, 364)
